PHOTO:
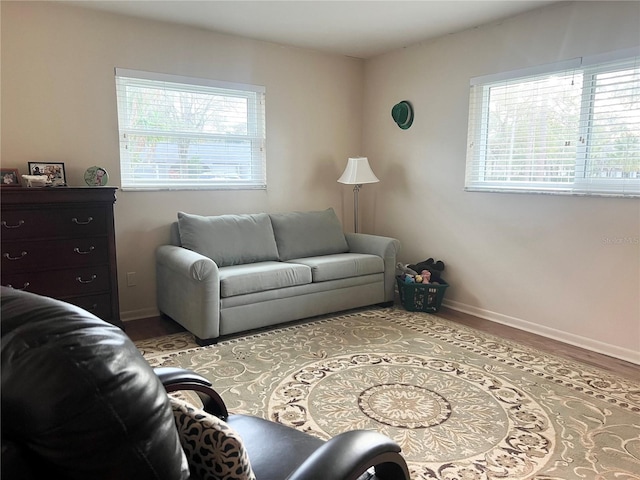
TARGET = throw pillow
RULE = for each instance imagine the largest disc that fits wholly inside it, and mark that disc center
(229, 239)
(308, 234)
(214, 450)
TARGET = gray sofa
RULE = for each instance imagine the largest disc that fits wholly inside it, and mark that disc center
(231, 273)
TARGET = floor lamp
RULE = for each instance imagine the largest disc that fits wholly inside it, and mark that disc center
(357, 173)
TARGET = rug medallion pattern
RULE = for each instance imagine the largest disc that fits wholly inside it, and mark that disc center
(462, 404)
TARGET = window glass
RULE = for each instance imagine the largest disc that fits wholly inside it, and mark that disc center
(187, 133)
(562, 129)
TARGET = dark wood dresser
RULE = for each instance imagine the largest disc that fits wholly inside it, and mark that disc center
(60, 242)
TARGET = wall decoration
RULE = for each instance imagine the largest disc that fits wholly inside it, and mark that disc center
(9, 177)
(96, 176)
(53, 170)
(402, 114)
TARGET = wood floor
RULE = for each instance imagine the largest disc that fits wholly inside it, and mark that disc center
(159, 326)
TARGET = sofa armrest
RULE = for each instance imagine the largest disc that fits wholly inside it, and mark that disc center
(188, 290)
(385, 247)
(373, 244)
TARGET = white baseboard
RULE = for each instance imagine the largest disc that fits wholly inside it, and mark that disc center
(138, 314)
(572, 339)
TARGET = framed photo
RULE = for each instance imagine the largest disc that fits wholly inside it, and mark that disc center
(9, 177)
(54, 172)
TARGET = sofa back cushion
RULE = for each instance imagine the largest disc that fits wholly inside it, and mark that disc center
(229, 239)
(308, 234)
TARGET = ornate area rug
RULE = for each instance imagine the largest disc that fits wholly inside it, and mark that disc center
(461, 403)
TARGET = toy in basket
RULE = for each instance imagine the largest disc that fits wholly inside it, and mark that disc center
(421, 297)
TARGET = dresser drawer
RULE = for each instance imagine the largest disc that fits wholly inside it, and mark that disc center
(21, 224)
(99, 305)
(25, 256)
(61, 283)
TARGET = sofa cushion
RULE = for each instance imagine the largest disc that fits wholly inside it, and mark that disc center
(258, 277)
(229, 239)
(342, 265)
(308, 234)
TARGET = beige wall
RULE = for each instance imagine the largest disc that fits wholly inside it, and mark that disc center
(58, 104)
(565, 267)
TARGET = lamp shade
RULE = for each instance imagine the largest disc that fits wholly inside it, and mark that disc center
(358, 172)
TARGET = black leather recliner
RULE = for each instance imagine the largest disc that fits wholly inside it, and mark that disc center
(80, 402)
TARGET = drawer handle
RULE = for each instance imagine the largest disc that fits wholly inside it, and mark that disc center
(24, 286)
(78, 222)
(9, 257)
(93, 277)
(81, 252)
(18, 225)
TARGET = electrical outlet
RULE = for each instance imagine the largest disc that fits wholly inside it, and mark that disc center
(131, 279)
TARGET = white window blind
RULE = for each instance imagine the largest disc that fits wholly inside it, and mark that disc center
(189, 133)
(572, 128)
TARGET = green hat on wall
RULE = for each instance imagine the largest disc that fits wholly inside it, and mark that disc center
(402, 114)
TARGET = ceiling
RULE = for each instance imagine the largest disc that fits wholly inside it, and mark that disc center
(360, 29)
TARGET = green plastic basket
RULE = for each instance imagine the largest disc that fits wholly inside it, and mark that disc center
(421, 297)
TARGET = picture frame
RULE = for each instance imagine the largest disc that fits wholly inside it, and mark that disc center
(53, 170)
(9, 177)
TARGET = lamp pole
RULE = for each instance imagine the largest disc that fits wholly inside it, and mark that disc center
(356, 189)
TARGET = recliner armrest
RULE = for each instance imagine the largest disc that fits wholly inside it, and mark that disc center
(174, 376)
(348, 455)
(176, 379)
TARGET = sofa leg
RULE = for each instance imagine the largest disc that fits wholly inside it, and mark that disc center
(203, 342)
(388, 304)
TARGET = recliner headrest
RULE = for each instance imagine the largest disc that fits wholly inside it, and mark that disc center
(79, 397)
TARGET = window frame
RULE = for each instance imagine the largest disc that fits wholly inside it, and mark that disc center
(254, 95)
(478, 145)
